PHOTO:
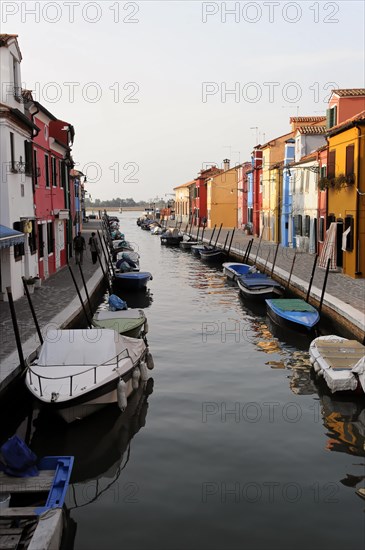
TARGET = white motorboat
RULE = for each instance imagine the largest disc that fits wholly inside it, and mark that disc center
(76, 372)
(341, 362)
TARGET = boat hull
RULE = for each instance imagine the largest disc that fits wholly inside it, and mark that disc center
(132, 281)
(213, 256)
(232, 271)
(171, 241)
(259, 293)
(304, 321)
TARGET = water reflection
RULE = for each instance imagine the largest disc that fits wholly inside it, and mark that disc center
(141, 299)
(100, 445)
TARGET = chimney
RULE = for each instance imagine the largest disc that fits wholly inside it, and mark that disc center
(226, 163)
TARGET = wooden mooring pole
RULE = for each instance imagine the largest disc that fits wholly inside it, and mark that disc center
(32, 310)
(15, 327)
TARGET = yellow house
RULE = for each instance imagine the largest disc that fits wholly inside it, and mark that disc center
(222, 199)
(346, 192)
(182, 202)
(272, 159)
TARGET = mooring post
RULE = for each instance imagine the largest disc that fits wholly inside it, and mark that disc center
(15, 327)
(79, 295)
(230, 242)
(86, 291)
(258, 248)
(32, 310)
(324, 284)
(312, 276)
(274, 262)
(219, 232)
(291, 270)
(211, 237)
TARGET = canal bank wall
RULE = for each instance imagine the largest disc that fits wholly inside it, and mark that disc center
(57, 306)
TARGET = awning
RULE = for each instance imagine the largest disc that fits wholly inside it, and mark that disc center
(10, 237)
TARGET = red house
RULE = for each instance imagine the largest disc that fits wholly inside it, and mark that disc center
(51, 164)
(198, 194)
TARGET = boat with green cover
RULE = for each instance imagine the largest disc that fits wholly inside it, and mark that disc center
(129, 322)
(293, 313)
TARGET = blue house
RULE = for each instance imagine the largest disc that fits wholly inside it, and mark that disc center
(286, 210)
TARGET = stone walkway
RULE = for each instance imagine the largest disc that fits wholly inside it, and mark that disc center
(50, 299)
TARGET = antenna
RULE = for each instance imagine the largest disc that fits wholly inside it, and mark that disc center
(257, 133)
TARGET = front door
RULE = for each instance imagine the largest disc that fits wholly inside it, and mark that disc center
(339, 242)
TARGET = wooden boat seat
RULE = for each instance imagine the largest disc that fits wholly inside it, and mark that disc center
(42, 482)
(21, 512)
(10, 538)
(341, 355)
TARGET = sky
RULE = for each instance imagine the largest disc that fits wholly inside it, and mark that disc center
(157, 91)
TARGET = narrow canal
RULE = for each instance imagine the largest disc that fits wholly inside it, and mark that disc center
(233, 447)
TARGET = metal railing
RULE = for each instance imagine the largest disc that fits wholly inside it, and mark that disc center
(117, 358)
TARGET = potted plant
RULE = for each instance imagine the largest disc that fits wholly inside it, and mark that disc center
(30, 282)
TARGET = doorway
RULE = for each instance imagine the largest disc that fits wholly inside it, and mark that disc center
(339, 252)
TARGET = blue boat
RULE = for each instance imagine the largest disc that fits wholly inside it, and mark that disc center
(39, 498)
(132, 280)
(259, 286)
(292, 313)
(234, 270)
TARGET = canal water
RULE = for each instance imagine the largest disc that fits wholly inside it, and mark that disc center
(231, 446)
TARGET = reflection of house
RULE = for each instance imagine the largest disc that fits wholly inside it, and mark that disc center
(182, 211)
(18, 254)
(346, 192)
(51, 159)
(222, 197)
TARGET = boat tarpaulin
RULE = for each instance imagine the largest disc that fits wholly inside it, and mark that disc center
(10, 237)
(86, 347)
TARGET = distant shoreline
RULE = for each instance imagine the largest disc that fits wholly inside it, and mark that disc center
(116, 209)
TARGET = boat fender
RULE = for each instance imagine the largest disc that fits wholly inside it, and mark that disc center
(149, 360)
(135, 378)
(122, 395)
(145, 328)
(144, 372)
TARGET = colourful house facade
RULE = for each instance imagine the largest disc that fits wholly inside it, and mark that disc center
(346, 193)
(222, 199)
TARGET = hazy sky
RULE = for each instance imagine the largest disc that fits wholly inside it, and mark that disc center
(146, 84)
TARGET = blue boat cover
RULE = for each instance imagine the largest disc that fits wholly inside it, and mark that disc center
(20, 461)
(258, 281)
(134, 275)
(9, 237)
(116, 303)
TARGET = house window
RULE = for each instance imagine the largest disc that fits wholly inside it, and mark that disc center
(18, 248)
(46, 133)
(54, 171)
(28, 157)
(307, 177)
(50, 237)
(307, 224)
(63, 174)
(331, 116)
(331, 170)
(12, 154)
(301, 181)
(40, 240)
(323, 173)
(349, 223)
(60, 172)
(35, 169)
(46, 169)
(22, 192)
(298, 225)
(321, 229)
(350, 163)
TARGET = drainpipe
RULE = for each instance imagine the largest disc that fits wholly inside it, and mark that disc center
(357, 252)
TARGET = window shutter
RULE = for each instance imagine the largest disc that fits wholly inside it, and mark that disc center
(307, 221)
(328, 118)
(331, 164)
(350, 156)
(321, 229)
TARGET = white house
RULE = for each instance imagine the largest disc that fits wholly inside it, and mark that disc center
(17, 254)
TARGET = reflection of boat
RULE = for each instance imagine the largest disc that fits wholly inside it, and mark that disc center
(341, 362)
(77, 372)
(142, 299)
(293, 313)
(232, 270)
(98, 443)
(258, 286)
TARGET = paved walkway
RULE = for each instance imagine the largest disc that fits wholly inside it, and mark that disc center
(51, 299)
(344, 294)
